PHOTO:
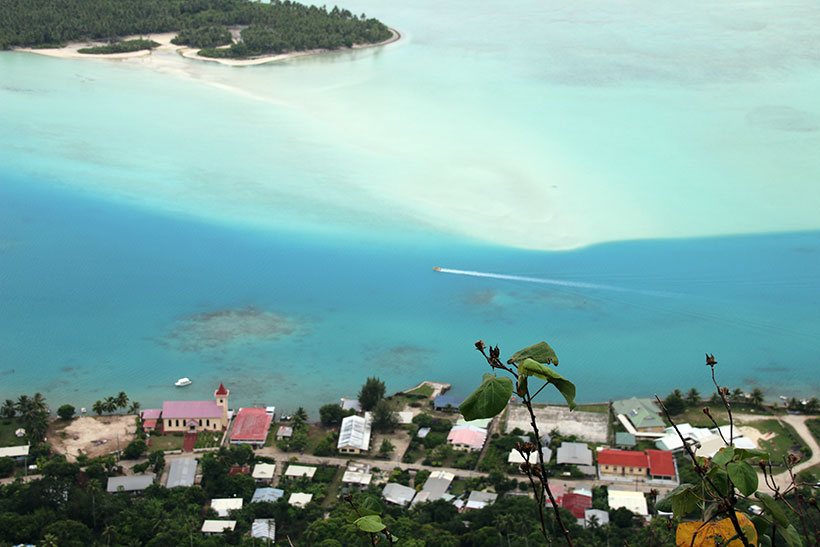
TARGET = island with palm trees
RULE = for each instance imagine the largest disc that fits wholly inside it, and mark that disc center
(232, 29)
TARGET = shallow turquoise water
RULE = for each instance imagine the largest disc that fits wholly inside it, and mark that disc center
(98, 297)
(275, 227)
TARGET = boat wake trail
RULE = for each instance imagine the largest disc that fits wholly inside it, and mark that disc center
(554, 282)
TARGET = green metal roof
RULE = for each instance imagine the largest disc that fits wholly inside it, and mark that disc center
(641, 412)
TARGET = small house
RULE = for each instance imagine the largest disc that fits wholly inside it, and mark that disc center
(264, 529)
(181, 473)
(300, 499)
(223, 506)
(354, 435)
(300, 471)
(284, 432)
(263, 473)
(130, 483)
(398, 494)
(262, 495)
(467, 438)
(214, 527)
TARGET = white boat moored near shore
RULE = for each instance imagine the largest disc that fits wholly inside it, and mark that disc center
(182, 382)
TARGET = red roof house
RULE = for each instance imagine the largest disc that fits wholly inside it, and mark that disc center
(149, 418)
(576, 504)
(622, 462)
(250, 426)
(661, 464)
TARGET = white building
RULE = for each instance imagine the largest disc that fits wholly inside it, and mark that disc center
(634, 501)
(264, 529)
(574, 454)
(299, 499)
(223, 506)
(263, 472)
(300, 471)
(354, 436)
(212, 527)
(398, 493)
(516, 458)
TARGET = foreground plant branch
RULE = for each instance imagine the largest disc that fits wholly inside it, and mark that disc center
(538, 471)
(728, 476)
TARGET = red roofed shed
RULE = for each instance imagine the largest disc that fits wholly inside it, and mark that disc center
(576, 504)
(661, 464)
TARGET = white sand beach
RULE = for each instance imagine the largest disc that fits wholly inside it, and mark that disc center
(72, 50)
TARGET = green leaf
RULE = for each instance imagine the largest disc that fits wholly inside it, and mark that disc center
(723, 456)
(684, 499)
(489, 399)
(747, 453)
(371, 506)
(370, 524)
(533, 368)
(773, 509)
(761, 524)
(540, 352)
(743, 476)
(720, 479)
(791, 536)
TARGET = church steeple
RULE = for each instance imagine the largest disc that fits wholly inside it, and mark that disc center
(221, 395)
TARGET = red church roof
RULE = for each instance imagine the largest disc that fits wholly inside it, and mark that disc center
(576, 504)
(221, 390)
(623, 458)
(661, 463)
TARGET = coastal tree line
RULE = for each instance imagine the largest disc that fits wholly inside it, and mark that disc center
(279, 26)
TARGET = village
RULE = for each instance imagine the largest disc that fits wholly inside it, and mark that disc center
(409, 448)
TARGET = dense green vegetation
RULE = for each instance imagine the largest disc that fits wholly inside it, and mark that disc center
(277, 27)
(69, 506)
(210, 36)
(126, 46)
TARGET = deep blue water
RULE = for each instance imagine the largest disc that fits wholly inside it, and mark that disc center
(98, 297)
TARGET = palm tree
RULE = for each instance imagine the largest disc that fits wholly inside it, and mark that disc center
(98, 407)
(121, 399)
(302, 414)
(811, 405)
(693, 397)
(756, 397)
(134, 408)
(39, 402)
(8, 410)
(737, 395)
(23, 404)
(110, 404)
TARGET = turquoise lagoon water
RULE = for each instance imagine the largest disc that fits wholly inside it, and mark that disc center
(275, 226)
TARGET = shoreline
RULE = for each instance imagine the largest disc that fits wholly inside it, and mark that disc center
(71, 50)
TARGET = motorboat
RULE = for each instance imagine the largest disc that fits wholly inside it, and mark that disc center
(182, 382)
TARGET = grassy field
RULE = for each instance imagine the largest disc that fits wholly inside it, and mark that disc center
(7, 428)
(423, 390)
(814, 427)
(696, 418)
(601, 408)
(785, 441)
(166, 442)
